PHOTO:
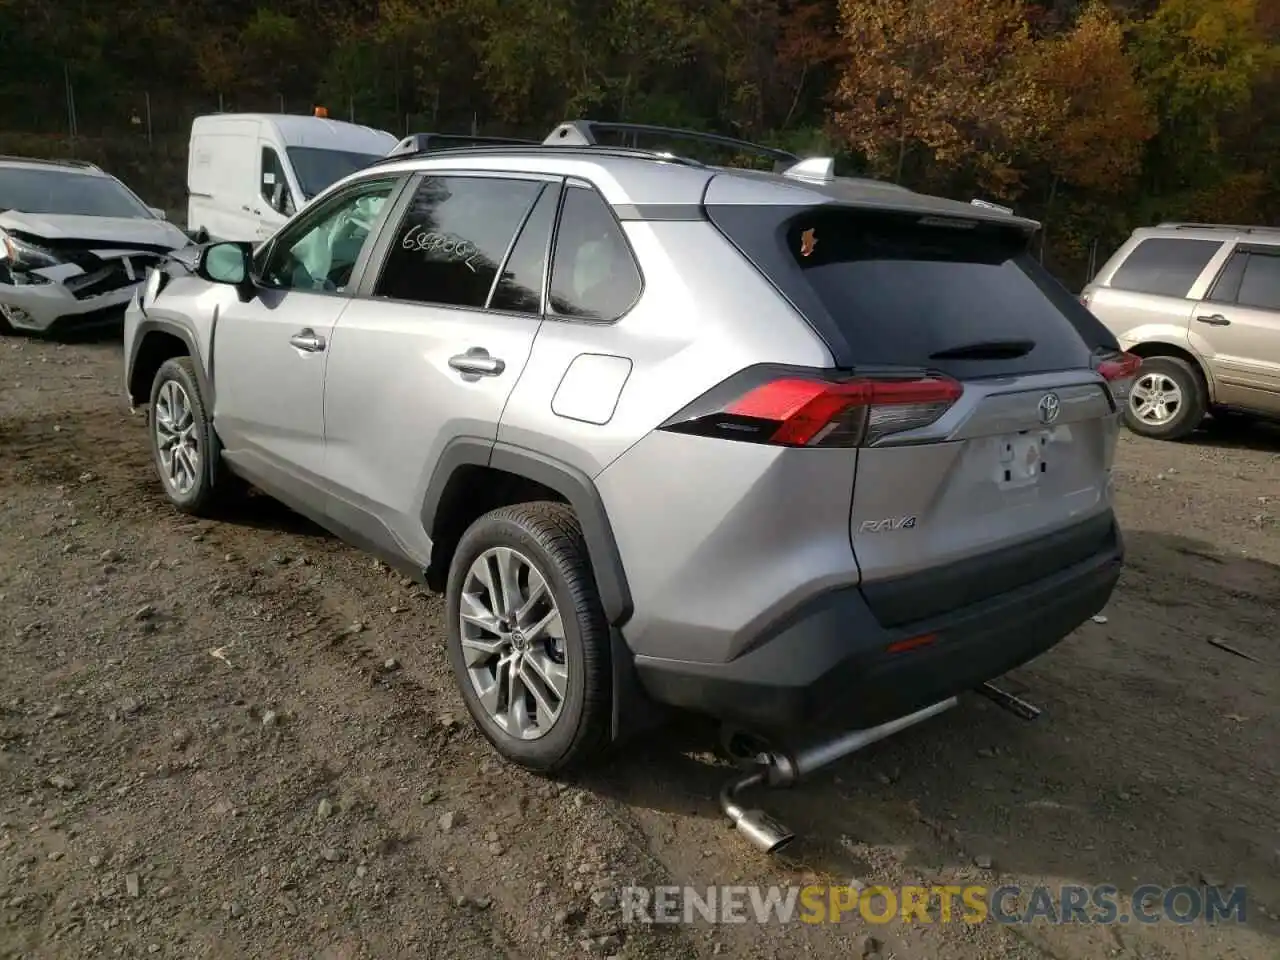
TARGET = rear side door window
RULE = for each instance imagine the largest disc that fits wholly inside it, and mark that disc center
(519, 289)
(594, 275)
(1164, 266)
(453, 238)
(1260, 284)
(1227, 285)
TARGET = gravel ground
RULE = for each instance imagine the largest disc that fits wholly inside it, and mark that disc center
(241, 739)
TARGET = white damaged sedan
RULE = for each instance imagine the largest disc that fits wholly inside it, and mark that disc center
(75, 244)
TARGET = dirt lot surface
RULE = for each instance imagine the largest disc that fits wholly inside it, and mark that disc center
(241, 739)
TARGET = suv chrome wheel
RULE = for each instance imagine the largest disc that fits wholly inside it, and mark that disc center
(177, 439)
(513, 643)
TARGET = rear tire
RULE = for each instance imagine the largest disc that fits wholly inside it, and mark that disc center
(561, 714)
(1168, 400)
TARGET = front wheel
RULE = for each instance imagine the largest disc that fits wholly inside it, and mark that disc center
(182, 438)
(527, 637)
(1168, 400)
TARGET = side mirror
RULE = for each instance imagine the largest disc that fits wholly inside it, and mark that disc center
(158, 213)
(230, 263)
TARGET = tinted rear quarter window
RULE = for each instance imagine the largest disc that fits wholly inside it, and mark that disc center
(593, 274)
(1165, 266)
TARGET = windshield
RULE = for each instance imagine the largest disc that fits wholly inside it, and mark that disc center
(30, 190)
(317, 168)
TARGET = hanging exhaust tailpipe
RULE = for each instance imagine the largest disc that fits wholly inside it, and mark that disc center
(760, 829)
(780, 769)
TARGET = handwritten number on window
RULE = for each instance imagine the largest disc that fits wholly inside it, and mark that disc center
(441, 246)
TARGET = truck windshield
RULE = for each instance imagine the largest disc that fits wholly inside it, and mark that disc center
(30, 190)
(317, 168)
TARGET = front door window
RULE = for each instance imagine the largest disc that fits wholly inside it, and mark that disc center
(320, 251)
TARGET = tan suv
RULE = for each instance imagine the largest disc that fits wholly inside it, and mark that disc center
(1200, 303)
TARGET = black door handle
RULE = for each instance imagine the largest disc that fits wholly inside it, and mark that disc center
(1216, 320)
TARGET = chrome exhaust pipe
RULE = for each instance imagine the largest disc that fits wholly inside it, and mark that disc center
(780, 769)
(761, 830)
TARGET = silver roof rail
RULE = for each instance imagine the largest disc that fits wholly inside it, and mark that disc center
(1233, 227)
(819, 169)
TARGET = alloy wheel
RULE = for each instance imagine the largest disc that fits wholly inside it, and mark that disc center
(513, 643)
(1155, 399)
(176, 438)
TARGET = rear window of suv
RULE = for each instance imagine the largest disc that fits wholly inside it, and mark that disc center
(1165, 266)
(964, 297)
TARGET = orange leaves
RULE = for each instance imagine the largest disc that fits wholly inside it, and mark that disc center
(940, 82)
(1100, 118)
(947, 88)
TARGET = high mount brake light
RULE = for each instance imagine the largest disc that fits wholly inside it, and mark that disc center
(1120, 370)
(803, 411)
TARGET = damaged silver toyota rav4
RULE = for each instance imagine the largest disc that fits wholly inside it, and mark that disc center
(787, 449)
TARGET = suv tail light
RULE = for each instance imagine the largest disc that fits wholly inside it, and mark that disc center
(807, 409)
(1120, 370)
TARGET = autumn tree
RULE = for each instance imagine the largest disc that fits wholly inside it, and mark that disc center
(808, 47)
(1198, 61)
(1099, 119)
(942, 83)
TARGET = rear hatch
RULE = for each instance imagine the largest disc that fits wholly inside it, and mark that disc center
(986, 433)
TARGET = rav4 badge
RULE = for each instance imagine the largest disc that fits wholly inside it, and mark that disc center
(889, 523)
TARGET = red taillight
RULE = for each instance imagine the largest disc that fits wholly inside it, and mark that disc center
(1120, 370)
(1122, 366)
(802, 411)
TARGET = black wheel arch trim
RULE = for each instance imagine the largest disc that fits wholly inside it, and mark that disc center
(147, 326)
(203, 380)
(568, 481)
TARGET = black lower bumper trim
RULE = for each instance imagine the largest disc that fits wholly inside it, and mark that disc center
(832, 663)
(89, 321)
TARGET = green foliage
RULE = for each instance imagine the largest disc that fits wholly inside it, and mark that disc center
(1199, 62)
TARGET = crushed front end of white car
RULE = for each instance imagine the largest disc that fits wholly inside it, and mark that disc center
(75, 243)
(53, 278)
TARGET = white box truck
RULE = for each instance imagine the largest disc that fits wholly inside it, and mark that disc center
(247, 173)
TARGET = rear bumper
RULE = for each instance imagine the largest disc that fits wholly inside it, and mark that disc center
(830, 661)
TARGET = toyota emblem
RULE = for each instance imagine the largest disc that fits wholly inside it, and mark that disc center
(1050, 407)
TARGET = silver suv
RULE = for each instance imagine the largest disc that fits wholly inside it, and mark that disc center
(1200, 304)
(774, 446)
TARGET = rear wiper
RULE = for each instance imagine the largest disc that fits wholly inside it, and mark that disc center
(987, 350)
